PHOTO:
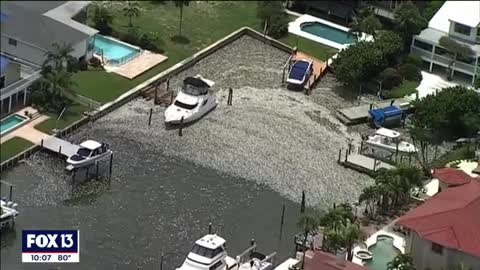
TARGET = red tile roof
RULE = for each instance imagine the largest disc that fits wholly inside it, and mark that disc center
(452, 176)
(326, 261)
(450, 218)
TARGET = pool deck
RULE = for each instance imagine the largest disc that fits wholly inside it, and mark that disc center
(399, 241)
(28, 131)
(139, 65)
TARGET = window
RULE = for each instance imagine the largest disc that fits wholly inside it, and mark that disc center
(422, 45)
(462, 29)
(216, 265)
(202, 251)
(185, 106)
(12, 42)
(84, 152)
(437, 248)
(2, 82)
(204, 102)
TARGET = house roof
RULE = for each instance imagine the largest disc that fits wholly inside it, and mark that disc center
(464, 12)
(452, 176)
(326, 261)
(450, 218)
(24, 21)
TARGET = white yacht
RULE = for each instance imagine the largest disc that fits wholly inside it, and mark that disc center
(8, 213)
(192, 102)
(209, 253)
(389, 140)
(89, 152)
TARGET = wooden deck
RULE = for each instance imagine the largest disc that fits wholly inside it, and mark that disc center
(59, 146)
(359, 114)
(365, 164)
(318, 68)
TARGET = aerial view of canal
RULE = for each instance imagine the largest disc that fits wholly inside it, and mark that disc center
(235, 168)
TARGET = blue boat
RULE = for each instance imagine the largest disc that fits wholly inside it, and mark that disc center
(389, 116)
(300, 72)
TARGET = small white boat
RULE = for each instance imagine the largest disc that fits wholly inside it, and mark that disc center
(89, 152)
(300, 72)
(209, 253)
(8, 213)
(192, 102)
(389, 140)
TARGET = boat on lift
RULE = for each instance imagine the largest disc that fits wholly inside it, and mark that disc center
(192, 102)
(300, 72)
(8, 213)
(389, 140)
(209, 253)
(89, 152)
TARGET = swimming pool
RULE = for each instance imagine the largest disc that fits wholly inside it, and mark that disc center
(10, 122)
(114, 51)
(328, 32)
(383, 252)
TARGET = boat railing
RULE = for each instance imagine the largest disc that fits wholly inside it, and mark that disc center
(269, 258)
(242, 255)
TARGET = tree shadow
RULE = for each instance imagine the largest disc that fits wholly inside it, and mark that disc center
(180, 39)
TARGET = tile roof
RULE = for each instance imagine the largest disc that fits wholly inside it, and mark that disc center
(451, 218)
(326, 261)
(452, 176)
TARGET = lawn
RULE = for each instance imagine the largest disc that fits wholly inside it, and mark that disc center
(315, 49)
(71, 115)
(13, 147)
(204, 22)
(404, 89)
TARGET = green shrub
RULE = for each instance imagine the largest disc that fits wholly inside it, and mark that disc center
(83, 64)
(477, 82)
(150, 41)
(278, 26)
(95, 62)
(413, 59)
(410, 72)
(390, 78)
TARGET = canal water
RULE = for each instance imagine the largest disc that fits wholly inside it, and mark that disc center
(235, 168)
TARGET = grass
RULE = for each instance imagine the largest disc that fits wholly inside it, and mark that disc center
(463, 152)
(13, 147)
(71, 115)
(203, 24)
(405, 88)
(315, 49)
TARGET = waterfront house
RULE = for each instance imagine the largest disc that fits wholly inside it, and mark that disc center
(460, 21)
(444, 231)
(28, 30)
(319, 260)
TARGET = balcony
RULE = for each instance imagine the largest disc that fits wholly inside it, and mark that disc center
(426, 55)
(443, 60)
(19, 85)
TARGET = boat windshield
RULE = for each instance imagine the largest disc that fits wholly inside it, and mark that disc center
(206, 252)
(194, 90)
(84, 152)
(185, 106)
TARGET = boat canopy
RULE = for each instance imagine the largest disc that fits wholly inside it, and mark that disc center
(380, 114)
(299, 69)
(195, 86)
(387, 133)
(91, 145)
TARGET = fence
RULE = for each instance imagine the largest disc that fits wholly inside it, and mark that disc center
(90, 103)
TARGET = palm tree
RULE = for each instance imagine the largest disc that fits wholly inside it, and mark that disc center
(307, 223)
(336, 217)
(351, 235)
(370, 196)
(59, 56)
(365, 22)
(401, 262)
(132, 9)
(456, 50)
(180, 4)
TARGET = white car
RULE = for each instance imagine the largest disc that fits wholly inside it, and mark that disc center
(89, 152)
(192, 102)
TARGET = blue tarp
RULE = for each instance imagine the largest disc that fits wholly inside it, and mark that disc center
(298, 70)
(3, 62)
(380, 114)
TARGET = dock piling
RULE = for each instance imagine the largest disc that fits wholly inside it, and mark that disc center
(96, 171)
(230, 97)
(156, 95)
(171, 98)
(10, 195)
(281, 222)
(180, 130)
(346, 156)
(110, 168)
(60, 150)
(168, 84)
(209, 228)
(41, 143)
(150, 117)
(339, 154)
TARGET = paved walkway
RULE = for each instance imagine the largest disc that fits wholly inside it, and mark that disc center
(28, 132)
(137, 66)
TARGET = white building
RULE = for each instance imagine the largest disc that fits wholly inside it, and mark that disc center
(28, 30)
(459, 20)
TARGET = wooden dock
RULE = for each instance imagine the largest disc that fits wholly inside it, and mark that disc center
(359, 114)
(364, 163)
(59, 146)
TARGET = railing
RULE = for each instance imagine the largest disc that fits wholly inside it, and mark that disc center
(123, 60)
(23, 83)
(443, 60)
(422, 52)
(87, 101)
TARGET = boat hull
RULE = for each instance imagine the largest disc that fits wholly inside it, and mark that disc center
(176, 119)
(392, 148)
(89, 161)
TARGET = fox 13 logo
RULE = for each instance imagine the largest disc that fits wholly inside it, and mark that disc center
(39, 246)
